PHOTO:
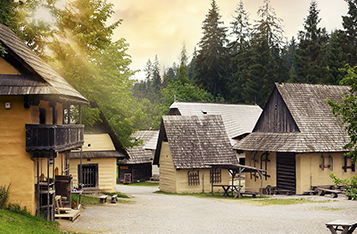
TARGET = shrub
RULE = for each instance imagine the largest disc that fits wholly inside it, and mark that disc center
(350, 184)
(4, 196)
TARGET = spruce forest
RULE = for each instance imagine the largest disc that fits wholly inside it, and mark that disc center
(234, 62)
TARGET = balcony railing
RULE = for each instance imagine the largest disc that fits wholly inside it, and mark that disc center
(56, 138)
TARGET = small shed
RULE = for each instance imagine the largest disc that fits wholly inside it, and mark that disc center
(297, 139)
(139, 164)
(186, 145)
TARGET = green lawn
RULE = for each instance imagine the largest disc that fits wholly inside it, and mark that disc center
(11, 222)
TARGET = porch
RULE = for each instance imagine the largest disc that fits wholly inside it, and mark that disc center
(54, 137)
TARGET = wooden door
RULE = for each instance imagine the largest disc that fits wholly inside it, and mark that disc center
(286, 172)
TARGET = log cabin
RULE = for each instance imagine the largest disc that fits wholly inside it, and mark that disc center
(35, 125)
(298, 140)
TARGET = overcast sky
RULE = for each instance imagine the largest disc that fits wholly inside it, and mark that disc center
(159, 27)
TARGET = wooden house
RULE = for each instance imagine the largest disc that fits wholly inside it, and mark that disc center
(298, 140)
(239, 119)
(139, 164)
(185, 148)
(98, 159)
(35, 133)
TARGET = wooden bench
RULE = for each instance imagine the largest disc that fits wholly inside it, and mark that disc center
(103, 199)
(282, 191)
(63, 212)
(347, 226)
(114, 198)
(323, 191)
(310, 192)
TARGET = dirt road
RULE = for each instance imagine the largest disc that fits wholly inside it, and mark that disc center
(158, 213)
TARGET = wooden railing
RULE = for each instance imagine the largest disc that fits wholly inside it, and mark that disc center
(56, 138)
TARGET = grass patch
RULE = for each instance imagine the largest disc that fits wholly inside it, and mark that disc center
(143, 183)
(282, 202)
(122, 195)
(327, 208)
(89, 200)
(12, 222)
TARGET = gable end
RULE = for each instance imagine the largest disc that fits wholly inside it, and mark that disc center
(276, 116)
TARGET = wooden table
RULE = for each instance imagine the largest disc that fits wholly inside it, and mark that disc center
(79, 198)
(347, 226)
(226, 188)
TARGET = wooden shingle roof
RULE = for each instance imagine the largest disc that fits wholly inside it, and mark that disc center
(195, 141)
(36, 77)
(238, 119)
(318, 129)
(138, 154)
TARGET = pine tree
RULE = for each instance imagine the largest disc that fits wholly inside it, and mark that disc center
(156, 78)
(192, 65)
(266, 65)
(289, 58)
(239, 53)
(211, 62)
(311, 49)
(182, 72)
(349, 34)
(334, 60)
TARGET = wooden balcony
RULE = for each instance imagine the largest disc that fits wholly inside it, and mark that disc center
(55, 138)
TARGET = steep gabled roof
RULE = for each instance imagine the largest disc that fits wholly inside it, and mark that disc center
(138, 154)
(195, 141)
(319, 130)
(37, 77)
(238, 119)
(306, 103)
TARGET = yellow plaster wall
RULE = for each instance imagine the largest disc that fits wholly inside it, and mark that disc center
(6, 68)
(167, 170)
(35, 112)
(204, 186)
(97, 142)
(58, 166)
(106, 172)
(16, 164)
(176, 181)
(310, 173)
(254, 159)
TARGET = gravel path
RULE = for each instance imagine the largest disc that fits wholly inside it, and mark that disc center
(159, 213)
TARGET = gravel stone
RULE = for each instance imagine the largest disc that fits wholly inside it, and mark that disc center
(159, 213)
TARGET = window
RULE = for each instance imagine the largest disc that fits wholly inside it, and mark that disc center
(327, 162)
(89, 175)
(216, 176)
(348, 164)
(193, 177)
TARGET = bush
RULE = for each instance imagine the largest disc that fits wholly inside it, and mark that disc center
(4, 196)
(350, 184)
